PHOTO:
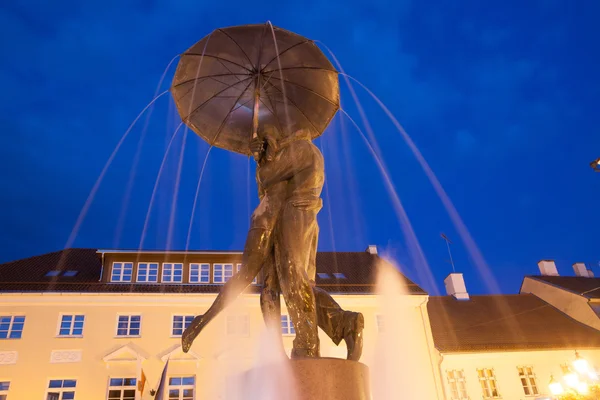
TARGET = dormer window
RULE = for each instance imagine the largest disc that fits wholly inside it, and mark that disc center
(172, 273)
(323, 275)
(53, 273)
(147, 272)
(121, 272)
(339, 275)
(70, 273)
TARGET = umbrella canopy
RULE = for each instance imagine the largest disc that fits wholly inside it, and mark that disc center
(237, 73)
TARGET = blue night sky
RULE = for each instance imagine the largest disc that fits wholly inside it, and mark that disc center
(500, 97)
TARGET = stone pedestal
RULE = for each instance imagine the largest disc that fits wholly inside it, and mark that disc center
(303, 379)
(331, 379)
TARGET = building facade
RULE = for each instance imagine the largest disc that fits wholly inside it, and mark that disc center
(99, 324)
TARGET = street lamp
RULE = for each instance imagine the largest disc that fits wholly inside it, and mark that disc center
(595, 165)
(576, 381)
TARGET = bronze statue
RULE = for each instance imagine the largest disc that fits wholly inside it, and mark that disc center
(230, 85)
(282, 241)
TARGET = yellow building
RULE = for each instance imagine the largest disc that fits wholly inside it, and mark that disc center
(88, 324)
(505, 346)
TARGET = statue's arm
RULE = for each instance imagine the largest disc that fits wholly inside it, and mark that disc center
(281, 168)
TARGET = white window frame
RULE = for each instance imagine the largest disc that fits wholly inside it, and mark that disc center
(72, 326)
(122, 273)
(238, 325)
(61, 390)
(4, 392)
(237, 269)
(171, 276)
(287, 326)
(201, 267)
(11, 326)
(457, 383)
(128, 325)
(121, 388)
(528, 380)
(488, 383)
(184, 316)
(147, 272)
(223, 268)
(181, 388)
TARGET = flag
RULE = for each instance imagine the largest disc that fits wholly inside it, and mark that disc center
(161, 383)
(142, 383)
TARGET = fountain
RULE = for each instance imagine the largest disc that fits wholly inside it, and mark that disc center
(266, 92)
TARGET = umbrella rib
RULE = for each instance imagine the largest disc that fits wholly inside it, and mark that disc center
(308, 89)
(193, 86)
(295, 105)
(284, 51)
(187, 118)
(229, 114)
(302, 67)
(225, 66)
(206, 76)
(237, 44)
(217, 58)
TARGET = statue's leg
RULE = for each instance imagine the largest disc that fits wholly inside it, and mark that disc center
(258, 246)
(339, 324)
(292, 252)
(270, 302)
(332, 319)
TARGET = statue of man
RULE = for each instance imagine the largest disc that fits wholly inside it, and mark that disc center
(282, 240)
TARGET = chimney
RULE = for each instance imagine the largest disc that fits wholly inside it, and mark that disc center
(547, 268)
(455, 286)
(372, 249)
(581, 270)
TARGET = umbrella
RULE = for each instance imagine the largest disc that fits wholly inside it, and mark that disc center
(243, 80)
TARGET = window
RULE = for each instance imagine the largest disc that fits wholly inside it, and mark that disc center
(147, 272)
(487, 379)
(70, 273)
(4, 386)
(199, 273)
(528, 381)
(323, 275)
(222, 272)
(181, 388)
(61, 389)
(339, 275)
(11, 327)
(380, 323)
(458, 386)
(238, 325)
(121, 272)
(121, 389)
(52, 273)
(71, 325)
(180, 322)
(254, 281)
(129, 325)
(287, 327)
(172, 273)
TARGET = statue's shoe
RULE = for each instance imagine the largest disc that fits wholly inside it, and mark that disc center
(190, 333)
(354, 326)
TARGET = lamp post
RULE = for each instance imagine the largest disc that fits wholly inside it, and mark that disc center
(595, 165)
(577, 383)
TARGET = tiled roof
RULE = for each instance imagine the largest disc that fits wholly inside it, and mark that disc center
(28, 275)
(587, 287)
(504, 322)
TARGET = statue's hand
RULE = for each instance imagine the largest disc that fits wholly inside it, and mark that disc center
(257, 146)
